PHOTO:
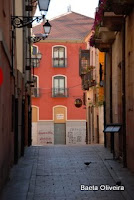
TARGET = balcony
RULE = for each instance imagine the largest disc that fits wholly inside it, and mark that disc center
(88, 81)
(112, 21)
(85, 70)
(60, 92)
(84, 62)
(106, 35)
(35, 92)
(121, 7)
(103, 47)
(59, 62)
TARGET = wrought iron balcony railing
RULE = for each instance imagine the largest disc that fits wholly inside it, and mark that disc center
(60, 92)
(88, 81)
(35, 92)
(59, 62)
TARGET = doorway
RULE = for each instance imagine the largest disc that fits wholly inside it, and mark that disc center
(60, 133)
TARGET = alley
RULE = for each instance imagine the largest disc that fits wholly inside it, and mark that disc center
(57, 173)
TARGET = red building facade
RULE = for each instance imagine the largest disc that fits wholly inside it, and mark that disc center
(55, 118)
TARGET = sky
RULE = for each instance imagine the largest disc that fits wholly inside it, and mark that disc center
(59, 7)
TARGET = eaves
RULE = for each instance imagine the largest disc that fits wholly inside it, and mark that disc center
(63, 40)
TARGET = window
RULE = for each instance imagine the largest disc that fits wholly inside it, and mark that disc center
(35, 57)
(84, 61)
(59, 59)
(35, 90)
(34, 50)
(59, 89)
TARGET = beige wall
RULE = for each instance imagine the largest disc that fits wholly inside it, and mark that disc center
(19, 36)
(116, 77)
(95, 123)
(59, 115)
(34, 114)
(101, 124)
(107, 88)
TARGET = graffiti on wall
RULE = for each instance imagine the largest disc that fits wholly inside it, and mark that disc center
(45, 137)
(76, 135)
(45, 133)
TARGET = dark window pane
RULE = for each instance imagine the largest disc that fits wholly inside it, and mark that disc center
(35, 50)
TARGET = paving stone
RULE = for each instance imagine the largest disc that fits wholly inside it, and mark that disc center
(57, 173)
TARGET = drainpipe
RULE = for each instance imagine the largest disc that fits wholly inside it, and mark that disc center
(124, 94)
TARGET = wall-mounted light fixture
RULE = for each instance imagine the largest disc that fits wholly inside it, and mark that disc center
(43, 5)
(22, 21)
(38, 37)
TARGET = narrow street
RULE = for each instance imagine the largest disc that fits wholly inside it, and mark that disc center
(57, 173)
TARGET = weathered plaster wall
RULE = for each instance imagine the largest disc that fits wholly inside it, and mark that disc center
(34, 133)
(107, 94)
(117, 89)
(76, 132)
(101, 124)
(45, 133)
(116, 76)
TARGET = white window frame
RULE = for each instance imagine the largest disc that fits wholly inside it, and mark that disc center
(57, 75)
(65, 54)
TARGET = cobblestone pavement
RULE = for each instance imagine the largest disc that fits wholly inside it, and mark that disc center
(57, 173)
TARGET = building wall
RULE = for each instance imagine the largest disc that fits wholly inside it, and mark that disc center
(100, 98)
(48, 115)
(94, 100)
(76, 132)
(13, 110)
(107, 96)
(6, 131)
(6, 92)
(115, 113)
(45, 72)
(116, 89)
(101, 124)
(45, 133)
(130, 89)
(19, 36)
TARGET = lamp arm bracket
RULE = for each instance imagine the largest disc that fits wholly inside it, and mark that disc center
(22, 21)
(38, 38)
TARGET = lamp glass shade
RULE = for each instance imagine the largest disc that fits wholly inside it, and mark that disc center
(43, 5)
(47, 27)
